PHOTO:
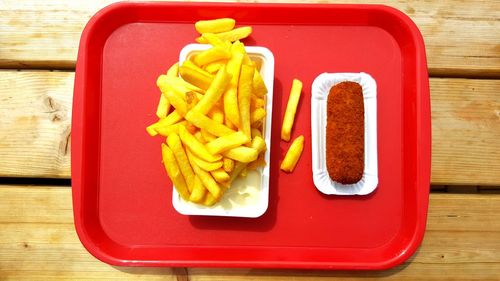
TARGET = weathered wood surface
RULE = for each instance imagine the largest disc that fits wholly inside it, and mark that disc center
(38, 242)
(462, 37)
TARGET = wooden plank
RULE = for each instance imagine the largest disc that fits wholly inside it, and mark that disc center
(465, 131)
(35, 123)
(35, 111)
(38, 242)
(461, 36)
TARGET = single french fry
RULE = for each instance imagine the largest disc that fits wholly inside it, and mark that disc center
(210, 55)
(207, 136)
(291, 109)
(239, 47)
(177, 102)
(217, 115)
(231, 109)
(163, 107)
(177, 84)
(151, 130)
(259, 87)
(203, 122)
(259, 162)
(227, 142)
(215, 41)
(232, 35)
(242, 154)
(207, 179)
(169, 129)
(174, 143)
(174, 172)
(171, 118)
(173, 71)
(214, 92)
(257, 115)
(293, 154)
(228, 164)
(210, 200)
(220, 175)
(244, 93)
(215, 25)
(198, 192)
(256, 132)
(196, 146)
(213, 67)
(195, 77)
(238, 167)
(259, 144)
(207, 166)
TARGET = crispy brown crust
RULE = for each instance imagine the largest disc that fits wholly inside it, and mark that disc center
(345, 133)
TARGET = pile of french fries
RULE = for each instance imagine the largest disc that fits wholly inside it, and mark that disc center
(211, 112)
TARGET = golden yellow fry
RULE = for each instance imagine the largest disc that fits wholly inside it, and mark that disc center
(231, 109)
(169, 129)
(239, 47)
(196, 146)
(151, 130)
(190, 64)
(293, 154)
(207, 179)
(232, 35)
(256, 132)
(217, 115)
(177, 102)
(242, 154)
(291, 109)
(173, 71)
(257, 115)
(199, 191)
(229, 124)
(259, 162)
(215, 41)
(228, 164)
(259, 87)
(220, 175)
(163, 107)
(203, 122)
(207, 166)
(207, 136)
(259, 144)
(244, 93)
(174, 172)
(209, 200)
(227, 142)
(174, 143)
(199, 137)
(213, 67)
(214, 92)
(210, 55)
(215, 25)
(177, 84)
(238, 167)
(197, 78)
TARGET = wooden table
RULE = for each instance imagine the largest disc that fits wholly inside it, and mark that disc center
(38, 46)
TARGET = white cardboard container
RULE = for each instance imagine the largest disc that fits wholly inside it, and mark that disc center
(319, 97)
(248, 196)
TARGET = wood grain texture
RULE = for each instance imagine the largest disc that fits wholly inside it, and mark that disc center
(465, 131)
(38, 242)
(35, 112)
(462, 37)
(35, 123)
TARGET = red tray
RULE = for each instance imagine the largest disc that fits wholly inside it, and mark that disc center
(122, 195)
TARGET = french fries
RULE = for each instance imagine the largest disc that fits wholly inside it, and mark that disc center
(291, 109)
(214, 26)
(293, 154)
(211, 112)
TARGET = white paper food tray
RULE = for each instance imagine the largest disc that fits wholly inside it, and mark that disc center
(319, 97)
(248, 196)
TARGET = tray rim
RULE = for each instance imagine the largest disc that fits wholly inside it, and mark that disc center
(423, 149)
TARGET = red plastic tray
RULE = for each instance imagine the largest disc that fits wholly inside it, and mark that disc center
(122, 195)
